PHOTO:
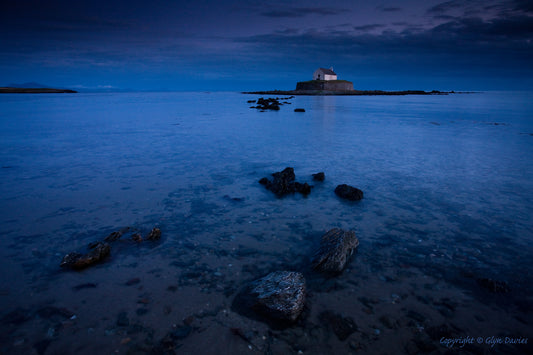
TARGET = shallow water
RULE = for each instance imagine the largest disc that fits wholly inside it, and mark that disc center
(448, 184)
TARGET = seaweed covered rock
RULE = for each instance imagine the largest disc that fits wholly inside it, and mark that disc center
(349, 192)
(98, 251)
(336, 247)
(280, 295)
(284, 183)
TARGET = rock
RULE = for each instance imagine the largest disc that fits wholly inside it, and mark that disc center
(494, 286)
(116, 235)
(137, 238)
(155, 234)
(349, 192)
(284, 184)
(299, 110)
(343, 327)
(98, 252)
(335, 249)
(113, 236)
(319, 176)
(279, 295)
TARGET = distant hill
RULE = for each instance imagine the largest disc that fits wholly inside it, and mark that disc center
(31, 85)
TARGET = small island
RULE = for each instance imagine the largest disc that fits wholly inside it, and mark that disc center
(13, 90)
(325, 82)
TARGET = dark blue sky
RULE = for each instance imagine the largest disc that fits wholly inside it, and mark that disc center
(249, 45)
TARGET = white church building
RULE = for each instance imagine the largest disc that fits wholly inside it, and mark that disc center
(324, 74)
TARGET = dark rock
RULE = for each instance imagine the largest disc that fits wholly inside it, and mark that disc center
(98, 252)
(137, 238)
(304, 189)
(155, 234)
(251, 101)
(113, 236)
(123, 320)
(16, 317)
(279, 295)
(171, 340)
(319, 176)
(284, 184)
(494, 286)
(133, 281)
(349, 192)
(84, 286)
(335, 249)
(343, 327)
(52, 312)
(299, 110)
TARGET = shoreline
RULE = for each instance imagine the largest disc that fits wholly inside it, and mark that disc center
(10, 90)
(349, 92)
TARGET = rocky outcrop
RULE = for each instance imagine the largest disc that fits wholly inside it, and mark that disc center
(98, 251)
(349, 192)
(336, 247)
(279, 295)
(283, 183)
(319, 176)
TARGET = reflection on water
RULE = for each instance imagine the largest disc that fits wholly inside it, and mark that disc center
(447, 211)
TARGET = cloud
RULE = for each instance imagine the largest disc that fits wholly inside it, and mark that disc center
(365, 28)
(389, 9)
(303, 11)
(445, 7)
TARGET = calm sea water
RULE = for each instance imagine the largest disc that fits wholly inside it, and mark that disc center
(448, 184)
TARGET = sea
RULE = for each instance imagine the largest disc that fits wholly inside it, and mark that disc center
(445, 228)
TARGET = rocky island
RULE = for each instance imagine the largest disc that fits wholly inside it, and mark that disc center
(13, 90)
(325, 82)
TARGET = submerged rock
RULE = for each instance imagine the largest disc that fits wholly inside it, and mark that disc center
(335, 249)
(284, 184)
(349, 192)
(343, 327)
(279, 295)
(113, 236)
(155, 234)
(494, 286)
(77, 261)
(299, 110)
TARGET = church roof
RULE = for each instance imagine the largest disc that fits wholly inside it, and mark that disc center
(327, 71)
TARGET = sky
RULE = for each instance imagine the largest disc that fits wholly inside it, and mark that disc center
(240, 45)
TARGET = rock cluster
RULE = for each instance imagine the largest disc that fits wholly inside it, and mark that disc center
(280, 295)
(284, 183)
(98, 251)
(270, 103)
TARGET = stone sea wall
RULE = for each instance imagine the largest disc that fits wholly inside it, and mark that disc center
(329, 85)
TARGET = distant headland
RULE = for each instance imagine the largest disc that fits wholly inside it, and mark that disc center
(325, 82)
(14, 90)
